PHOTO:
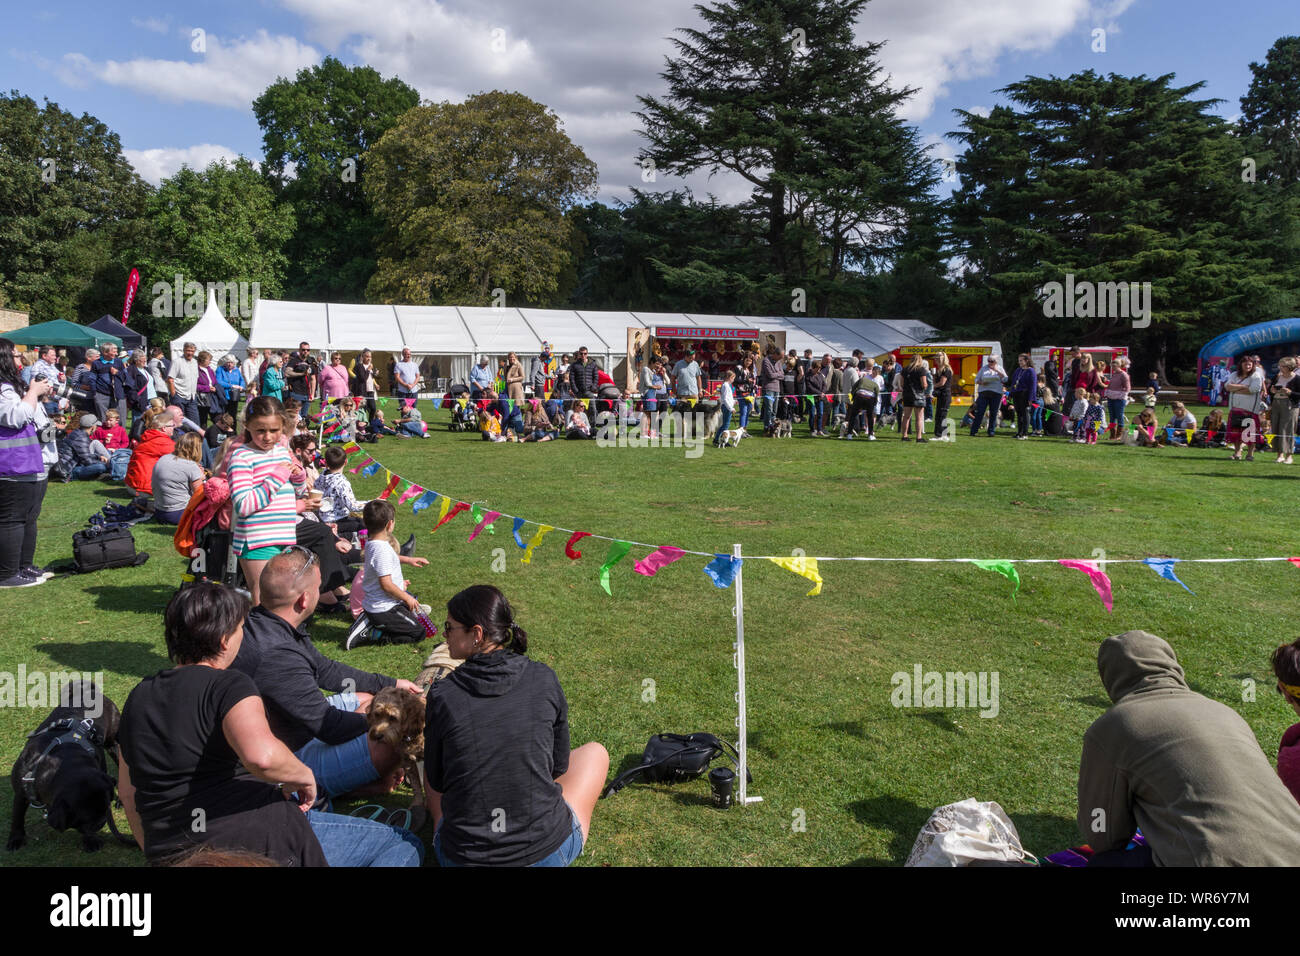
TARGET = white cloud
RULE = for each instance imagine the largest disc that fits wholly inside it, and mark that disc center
(152, 24)
(155, 165)
(230, 73)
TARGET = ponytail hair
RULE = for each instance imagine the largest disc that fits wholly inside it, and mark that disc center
(485, 606)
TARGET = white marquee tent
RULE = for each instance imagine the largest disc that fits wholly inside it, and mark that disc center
(454, 337)
(213, 334)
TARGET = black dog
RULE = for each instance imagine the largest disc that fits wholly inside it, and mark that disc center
(63, 768)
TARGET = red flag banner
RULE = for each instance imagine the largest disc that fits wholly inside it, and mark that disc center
(569, 550)
(456, 509)
(132, 284)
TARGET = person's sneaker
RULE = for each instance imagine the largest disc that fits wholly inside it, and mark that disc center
(922, 440)
(871, 438)
(425, 609)
(361, 633)
(32, 571)
(20, 580)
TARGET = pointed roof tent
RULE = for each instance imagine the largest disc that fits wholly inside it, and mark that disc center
(130, 339)
(212, 334)
(61, 332)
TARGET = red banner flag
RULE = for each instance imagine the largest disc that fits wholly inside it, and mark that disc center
(568, 547)
(392, 484)
(132, 284)
(456, 509)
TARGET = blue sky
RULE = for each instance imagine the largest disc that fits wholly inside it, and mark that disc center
(133, 66)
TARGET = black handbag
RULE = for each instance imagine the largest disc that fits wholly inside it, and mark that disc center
(674, 758)
(97, 549)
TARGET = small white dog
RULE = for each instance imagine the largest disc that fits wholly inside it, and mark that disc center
(732, 436)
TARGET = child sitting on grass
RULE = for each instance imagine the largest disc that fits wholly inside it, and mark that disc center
(1146, 423)
(578, 425)
(390, 609)
(377, 425)
(411, 424)
(111, 434)
(337, 501)
(489, 426)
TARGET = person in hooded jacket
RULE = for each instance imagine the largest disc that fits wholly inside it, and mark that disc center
(1185, 769)
(503, 787)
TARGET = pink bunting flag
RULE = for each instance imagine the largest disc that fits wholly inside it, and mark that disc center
(1099, 579)
(368, 461)
(409, 493)
(655, 560)
(486, 520)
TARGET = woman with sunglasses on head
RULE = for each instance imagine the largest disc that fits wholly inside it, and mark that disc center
(503, 787)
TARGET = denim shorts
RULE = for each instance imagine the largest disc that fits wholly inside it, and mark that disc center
(339, 768)
(567, 852)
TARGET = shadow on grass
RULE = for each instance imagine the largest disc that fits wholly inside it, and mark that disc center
(1092, 700)
(144, 599)
(1271, 476)
(133, 658)
(936, 717)
(853, 728)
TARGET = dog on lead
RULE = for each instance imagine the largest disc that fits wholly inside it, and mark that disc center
(780, 428)
(396, 717)
(732, 436)
(63, 769)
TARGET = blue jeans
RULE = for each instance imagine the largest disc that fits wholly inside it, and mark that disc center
(1036, 416)
(339, 768)
(769, 408)
(817, 421)
(1115, 412)
(567, 852)
(724, 423)
(93, 470)
(745, 409)
(188, 406)
(412, 429)
(353, 841)
(991, 401)
(302, 399)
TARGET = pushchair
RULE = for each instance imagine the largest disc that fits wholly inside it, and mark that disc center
(213, 558)
(463, 417)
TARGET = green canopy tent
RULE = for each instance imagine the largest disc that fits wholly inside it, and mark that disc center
(61, 332)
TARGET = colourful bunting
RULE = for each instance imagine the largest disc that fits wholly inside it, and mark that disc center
(1004, 568)
(456, 509)
(1165, 568)
(370, 469)
(477, 513)
(424, 501)
(722, 569)
(617, 552)
(652, 562)
(1099, 579)
(1295, 561)
(393, 482)
(534, 541)
(804, 567)
(411, 491)
(484, 522)
(569, 550)
(351, 448)
(519, 523)
(364, 464)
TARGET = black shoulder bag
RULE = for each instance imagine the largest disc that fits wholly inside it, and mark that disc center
(674, 758)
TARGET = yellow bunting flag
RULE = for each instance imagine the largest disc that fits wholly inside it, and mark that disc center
(534, 541)
(804, 567)
(444, 505)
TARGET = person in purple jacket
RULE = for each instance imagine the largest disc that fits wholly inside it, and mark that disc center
(1024, 392)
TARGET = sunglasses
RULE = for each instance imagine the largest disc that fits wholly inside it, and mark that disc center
(311, 560)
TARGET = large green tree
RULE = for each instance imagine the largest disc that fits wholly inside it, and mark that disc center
(474, 197)
(221, 224)
(316, 129)
(67, 197)
(779, 93)
(1270, 110)
(1110, 179)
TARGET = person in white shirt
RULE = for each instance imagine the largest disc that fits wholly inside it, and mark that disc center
(727, 405)
(1243, 390)
(989, 385)
(251, 369)
(183, 381)
(391, 610)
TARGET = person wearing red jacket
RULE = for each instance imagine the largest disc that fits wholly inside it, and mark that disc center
(111, 433)
(153, 444)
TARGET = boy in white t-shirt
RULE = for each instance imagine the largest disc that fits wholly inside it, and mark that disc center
(389, 608)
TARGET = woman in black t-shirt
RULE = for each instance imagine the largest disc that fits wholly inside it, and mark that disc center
(942, 393)
(503, 787)
(916, 379)
(196, 747)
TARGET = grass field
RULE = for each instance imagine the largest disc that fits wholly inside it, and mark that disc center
(827, 747)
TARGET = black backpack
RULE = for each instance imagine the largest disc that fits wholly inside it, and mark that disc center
(674, 758)
(97, 548)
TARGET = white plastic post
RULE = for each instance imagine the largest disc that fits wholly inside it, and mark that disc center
(742, 746)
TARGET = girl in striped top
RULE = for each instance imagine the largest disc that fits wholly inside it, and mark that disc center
(264, 477)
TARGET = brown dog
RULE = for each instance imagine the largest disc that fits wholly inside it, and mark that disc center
(397, 718)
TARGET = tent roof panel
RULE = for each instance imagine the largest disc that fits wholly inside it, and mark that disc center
(611, 328)
(431, 330)
(497, 331)
(282, 325)
(563, 329)
(796, 337)
(352, 328)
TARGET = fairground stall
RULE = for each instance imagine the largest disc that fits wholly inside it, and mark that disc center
(966, 359)
(727, 346)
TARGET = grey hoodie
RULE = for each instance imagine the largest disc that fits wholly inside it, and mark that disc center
(1186, 769)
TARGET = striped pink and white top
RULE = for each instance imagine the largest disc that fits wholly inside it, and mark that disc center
(263, 500)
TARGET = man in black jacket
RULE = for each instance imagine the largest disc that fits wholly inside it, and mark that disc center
(327, 734)
(582, 375)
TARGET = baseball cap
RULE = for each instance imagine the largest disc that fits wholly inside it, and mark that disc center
(88, 421)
